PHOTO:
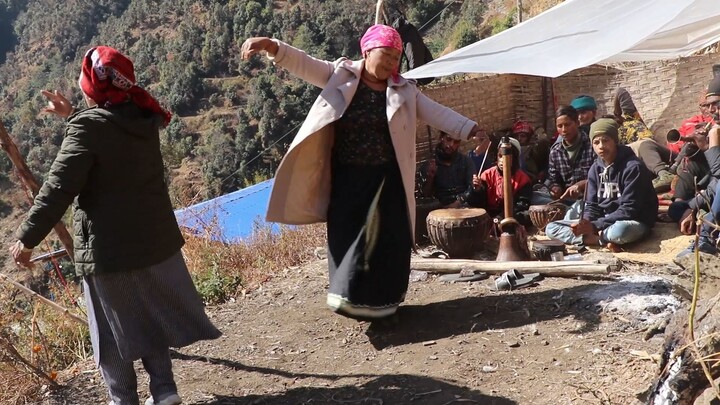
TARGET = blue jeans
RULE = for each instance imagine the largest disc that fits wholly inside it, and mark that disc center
(573, 212)
(619, 233)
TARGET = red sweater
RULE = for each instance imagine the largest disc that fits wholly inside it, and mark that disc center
(686, 129)
(494, 180)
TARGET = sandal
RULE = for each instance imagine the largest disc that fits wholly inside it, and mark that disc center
(459, 277)
(435, 254)
(513, 279)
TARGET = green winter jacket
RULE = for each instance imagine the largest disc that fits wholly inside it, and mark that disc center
(110, 165)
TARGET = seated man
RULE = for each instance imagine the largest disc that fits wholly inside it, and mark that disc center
(587, 110)
(489, 188)
(569, 162)
(483, 155)
(688, 126)
(692, 165)
(699, 160)
(708, 235)
(448, 177)
(621, 206)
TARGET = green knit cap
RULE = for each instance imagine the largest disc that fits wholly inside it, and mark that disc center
(607, 126)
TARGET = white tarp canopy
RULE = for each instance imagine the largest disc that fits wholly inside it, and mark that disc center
(579, 33)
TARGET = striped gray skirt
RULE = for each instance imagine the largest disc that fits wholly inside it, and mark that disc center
(147, 310)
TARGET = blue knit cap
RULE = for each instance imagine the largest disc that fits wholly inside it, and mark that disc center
(584, 103)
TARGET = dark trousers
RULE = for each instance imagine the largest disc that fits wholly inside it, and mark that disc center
(655, 156)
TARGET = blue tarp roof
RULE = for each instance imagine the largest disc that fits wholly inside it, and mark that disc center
(229, 218)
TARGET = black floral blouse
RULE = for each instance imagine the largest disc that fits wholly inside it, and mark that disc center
(362, 134)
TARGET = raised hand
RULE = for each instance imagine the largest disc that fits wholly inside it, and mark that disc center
(255, 45)
(57, 104)
(476, 182)
(479, 134)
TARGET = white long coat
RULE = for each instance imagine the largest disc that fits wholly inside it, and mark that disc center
(301, 192)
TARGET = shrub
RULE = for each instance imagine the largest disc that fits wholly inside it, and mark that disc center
(222, 271)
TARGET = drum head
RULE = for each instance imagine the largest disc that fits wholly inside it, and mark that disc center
(548, 207)
(457, 213)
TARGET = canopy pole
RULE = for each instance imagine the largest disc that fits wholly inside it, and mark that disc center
(519, 7)
(378, 11)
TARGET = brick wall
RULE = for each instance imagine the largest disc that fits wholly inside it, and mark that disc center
(664, 92)
(487, 99)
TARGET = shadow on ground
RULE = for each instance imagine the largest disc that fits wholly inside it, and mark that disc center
(438, 320)
(381, 390)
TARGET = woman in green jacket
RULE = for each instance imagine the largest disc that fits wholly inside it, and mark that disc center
(140, 297)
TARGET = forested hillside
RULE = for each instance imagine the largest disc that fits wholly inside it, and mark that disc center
(186, 52)
(227, 111)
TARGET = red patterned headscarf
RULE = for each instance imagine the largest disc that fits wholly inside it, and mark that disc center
(522, 127)
(380, 36)
(108, 77)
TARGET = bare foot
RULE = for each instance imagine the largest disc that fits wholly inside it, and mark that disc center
(591, 240)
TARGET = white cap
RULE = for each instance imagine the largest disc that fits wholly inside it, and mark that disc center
(514, 142)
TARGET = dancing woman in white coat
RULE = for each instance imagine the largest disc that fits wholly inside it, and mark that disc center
(352, 164)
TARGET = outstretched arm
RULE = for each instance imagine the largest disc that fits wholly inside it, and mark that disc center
(295, 61)
(446, 119)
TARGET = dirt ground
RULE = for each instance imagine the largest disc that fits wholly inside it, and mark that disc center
(562, 341)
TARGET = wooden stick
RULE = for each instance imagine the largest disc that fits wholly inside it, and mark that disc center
(26, 176)
(550, 269)
(42, 299)
(483, 161)
(584, 202)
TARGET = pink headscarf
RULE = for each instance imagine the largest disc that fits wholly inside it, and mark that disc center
(380, 36)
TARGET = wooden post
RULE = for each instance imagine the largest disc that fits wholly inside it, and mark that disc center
(507, 161)
(378, 11)
(519, 7)
(549, 269)
(29, 180)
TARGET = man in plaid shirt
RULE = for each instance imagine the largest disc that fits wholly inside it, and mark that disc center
(570, 159)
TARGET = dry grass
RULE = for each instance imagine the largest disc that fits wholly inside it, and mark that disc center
(222, 271)
(35, 343)
(16, 388)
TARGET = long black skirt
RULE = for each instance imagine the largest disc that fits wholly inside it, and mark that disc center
(369, 241)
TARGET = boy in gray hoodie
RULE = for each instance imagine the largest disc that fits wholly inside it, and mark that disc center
(621, 204)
